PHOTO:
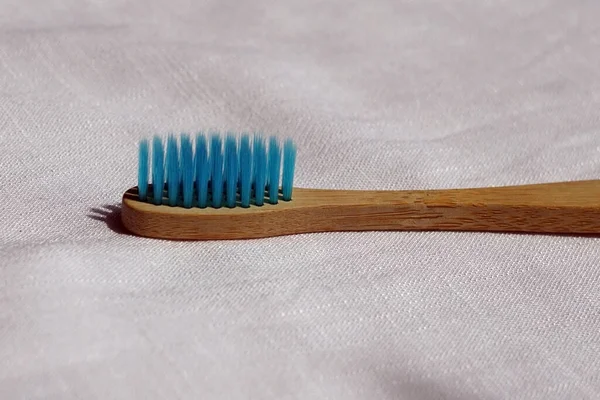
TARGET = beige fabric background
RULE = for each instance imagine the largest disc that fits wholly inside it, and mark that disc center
(378, 95)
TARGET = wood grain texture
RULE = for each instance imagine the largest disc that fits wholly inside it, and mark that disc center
(563, 208)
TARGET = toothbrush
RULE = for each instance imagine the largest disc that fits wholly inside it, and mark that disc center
(212, 188)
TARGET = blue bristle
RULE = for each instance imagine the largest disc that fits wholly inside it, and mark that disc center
(231, 171)
(260, 170)
(143, 161)
(172, 170)
(274, 169)
(187, 171)
(202, 170)
(289, 163)
(216, 158)
(267, 176)
(158, 169)
(245, 171)
(225, 161)
(255, 146)
(180, 164)
(240, 161)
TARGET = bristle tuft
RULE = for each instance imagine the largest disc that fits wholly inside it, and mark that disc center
(173, 172)
(245, 171)
(216, 158)
(158, 170)
(274, 169)
(260, 169)
(187, 171)
(289, 164)
(202, 170)
(231, 171)
(143, 162)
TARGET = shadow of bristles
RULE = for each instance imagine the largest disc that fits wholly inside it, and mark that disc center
(110, 214)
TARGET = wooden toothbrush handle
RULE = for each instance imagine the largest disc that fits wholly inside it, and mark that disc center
(564, 208)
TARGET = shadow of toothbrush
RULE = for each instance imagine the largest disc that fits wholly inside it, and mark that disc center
(110, 214)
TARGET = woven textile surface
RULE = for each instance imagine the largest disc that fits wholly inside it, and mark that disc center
(382, 94)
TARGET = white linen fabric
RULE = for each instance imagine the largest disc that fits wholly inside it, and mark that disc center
(382, 94)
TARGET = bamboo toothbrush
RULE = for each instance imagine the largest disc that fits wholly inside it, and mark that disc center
(241, 188)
